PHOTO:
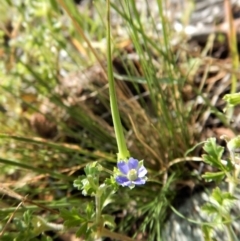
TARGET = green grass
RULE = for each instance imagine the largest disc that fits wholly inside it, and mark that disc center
(51, 39)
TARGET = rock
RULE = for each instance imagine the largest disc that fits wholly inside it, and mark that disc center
(180, 229)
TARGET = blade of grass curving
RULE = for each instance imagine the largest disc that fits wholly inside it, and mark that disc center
(80, 114)
(75, 16)
(155, 210)
(233, 46)
(172, 121)
(127, 19)
(171, 126)
(35, 169)
(55, 205)
(137, 37)
(64, 147)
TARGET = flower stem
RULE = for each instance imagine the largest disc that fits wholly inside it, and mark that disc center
(98, 209)
(123, 152)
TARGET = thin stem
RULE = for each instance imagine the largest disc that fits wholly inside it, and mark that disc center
(234, 180)
(232, 41)
(123, 152)
(98, 209)
(81, 32)
(230, 232)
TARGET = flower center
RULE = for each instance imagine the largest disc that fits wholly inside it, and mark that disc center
(132, 175)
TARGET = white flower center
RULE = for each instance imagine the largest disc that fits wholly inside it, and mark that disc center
(132, 175)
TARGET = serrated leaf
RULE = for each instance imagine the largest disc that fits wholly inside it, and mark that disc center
(234, 144)
(65, 214)
(213, 176)
(217, 221)
(228, 200)
(210, 208)
(27, 217)
(229, 167)
(71, 218)
(214, 153)
(90, 210)
(81, 232)
(86, 184)
(212, 148)
(207, 232)
(108, 220)
(232, 99)
(228, 196)
(92, 169)
(78, 183)
(217, 195)
(106, 196)
(112, 182)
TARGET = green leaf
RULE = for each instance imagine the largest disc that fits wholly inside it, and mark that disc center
(228, 199)
(88, 185)
(108, 220)
(112, 182)
(81, 232)
(54, 4)
(106, 196)
(210, 208)
(72, 218)
(229, 166)
(92, 169)
(223, 198)
(214, 176)
(217, 195)
(207, 232)
(232, 99)
(90, 210)
(234, 144)
(86, 230)
(78, 183)
(214, 154)
(27, 216)
(228, 196)
(39, 225)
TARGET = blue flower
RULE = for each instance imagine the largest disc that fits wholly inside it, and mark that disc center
(131, 173)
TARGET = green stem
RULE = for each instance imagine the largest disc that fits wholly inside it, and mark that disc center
(230, 232)
(232, 40)
(234, 178)
(72, 14)
(98, 209)
(123, 152)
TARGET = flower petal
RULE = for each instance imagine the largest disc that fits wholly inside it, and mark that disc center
(139, 181)
(132, 163)
(142, 171)
(123, 167)
(123, 181)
